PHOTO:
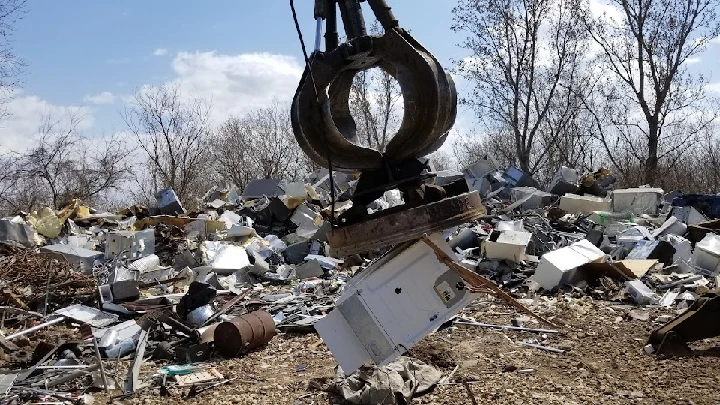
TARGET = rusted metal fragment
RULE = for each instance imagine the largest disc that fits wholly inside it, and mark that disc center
(699, 322)
(405, 225)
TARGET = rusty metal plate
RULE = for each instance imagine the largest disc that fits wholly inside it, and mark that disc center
(405, 225)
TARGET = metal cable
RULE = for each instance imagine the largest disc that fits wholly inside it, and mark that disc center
(317, 99)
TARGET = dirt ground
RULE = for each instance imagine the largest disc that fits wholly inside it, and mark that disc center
(604, 364)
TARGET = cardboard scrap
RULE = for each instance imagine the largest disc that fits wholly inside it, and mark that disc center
(631, 269)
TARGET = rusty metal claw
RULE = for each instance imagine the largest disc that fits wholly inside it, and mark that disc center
(321, 118)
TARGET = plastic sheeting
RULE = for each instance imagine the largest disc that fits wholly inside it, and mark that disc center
(393, 384)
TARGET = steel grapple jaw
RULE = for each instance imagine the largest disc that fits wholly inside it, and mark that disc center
(321, 119)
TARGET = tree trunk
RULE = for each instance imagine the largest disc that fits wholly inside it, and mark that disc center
(524, 160)
(651, 163)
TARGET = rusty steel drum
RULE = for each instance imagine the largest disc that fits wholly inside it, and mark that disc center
(244, 333)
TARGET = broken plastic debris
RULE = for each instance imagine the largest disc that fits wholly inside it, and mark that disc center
(643, 200)
(584, 204)
(707, 253)
(640, 292)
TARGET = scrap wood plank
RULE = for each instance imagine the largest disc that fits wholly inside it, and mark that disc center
(197, 377)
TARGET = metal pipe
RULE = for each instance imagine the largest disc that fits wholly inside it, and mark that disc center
(319, 9)
(99, 359)
(75, 367)
(681, 281)
(47, 289)
(352, 17)
(68, 377)
(547, 348)
(318, 33)
(35, 328)
(519, 328)
(383, 13)
(331, 35)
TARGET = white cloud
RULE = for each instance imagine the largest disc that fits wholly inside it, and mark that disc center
(105, 97)
(160, 52)
(603, 8)
(692, 61)
(715, 40)
(713, 87)
(236, 84)
(18, 130)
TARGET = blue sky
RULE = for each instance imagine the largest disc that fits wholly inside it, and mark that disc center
(239, 53)
(95, 53)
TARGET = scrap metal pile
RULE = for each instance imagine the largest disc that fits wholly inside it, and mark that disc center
(373, 258)
(174, 291)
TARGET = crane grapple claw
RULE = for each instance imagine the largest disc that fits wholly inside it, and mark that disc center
(321, 119)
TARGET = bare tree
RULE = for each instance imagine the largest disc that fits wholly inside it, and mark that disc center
(441, 160)
(698, 170)
(11, 199)
(63, 165)
(525, 62)
(651, 101)
(11, 66)
(261, 145)
(375, 104)
(470, 148)
(173, 133)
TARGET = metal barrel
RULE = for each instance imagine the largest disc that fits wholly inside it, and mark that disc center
(244, 333)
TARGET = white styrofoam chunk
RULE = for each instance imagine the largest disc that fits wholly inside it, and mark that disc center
(585, 204)
(225, 258)
(707, 253)
(230, 218)
(643, 200)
